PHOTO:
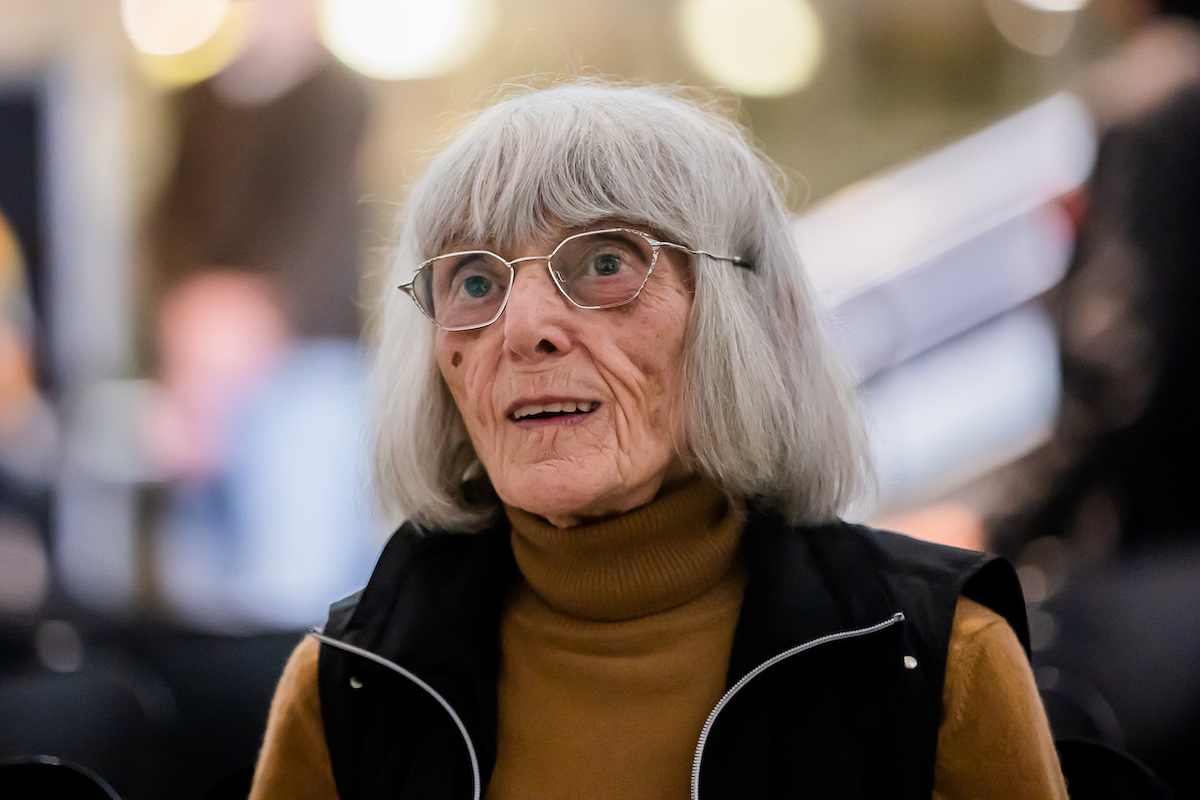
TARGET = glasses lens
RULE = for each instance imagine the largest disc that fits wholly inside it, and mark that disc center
(463, 290)
(602, 268)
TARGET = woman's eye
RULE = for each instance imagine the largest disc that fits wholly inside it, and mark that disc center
(477, 286)
(606, 264)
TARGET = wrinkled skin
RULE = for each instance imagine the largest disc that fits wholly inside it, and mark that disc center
(544, 349)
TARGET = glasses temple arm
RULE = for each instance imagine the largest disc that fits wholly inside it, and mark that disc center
(737, 261)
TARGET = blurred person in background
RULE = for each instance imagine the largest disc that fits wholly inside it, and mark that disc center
(266, 174)
(621, 440)
(256, 424)
(1121, 467)
(1105, 517)
(28, 444)
(259, 437)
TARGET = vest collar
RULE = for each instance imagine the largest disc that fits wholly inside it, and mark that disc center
(442, 596)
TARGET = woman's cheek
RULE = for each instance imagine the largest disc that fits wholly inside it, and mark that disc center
(471, 385)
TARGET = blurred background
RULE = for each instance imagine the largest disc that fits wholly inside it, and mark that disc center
(997, 200)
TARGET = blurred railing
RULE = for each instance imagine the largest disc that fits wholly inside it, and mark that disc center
(930, 271)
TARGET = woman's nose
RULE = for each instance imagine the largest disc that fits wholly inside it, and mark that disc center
(537, 317)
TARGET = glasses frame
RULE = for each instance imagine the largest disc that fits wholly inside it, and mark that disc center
(655, 246)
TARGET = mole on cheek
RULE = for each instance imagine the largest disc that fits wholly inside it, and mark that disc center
(456, 359)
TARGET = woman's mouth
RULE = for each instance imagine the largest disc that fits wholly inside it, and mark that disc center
(557, 410)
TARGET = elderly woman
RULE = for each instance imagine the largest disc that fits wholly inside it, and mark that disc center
(621, 441)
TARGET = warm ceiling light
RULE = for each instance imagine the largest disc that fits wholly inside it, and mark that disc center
(404, 39)
(1055, 5)
(1041, 27)
(206, 60)
(763, 48)
(170, 27)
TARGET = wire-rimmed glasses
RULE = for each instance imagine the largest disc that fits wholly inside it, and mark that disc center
(596, 269)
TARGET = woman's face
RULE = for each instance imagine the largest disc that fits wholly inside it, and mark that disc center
(619, 368)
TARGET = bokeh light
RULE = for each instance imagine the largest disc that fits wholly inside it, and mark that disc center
(761, 48)
(405, 39)
(1055, 5)
(170, 27)
(1040, 27)
(206, 59)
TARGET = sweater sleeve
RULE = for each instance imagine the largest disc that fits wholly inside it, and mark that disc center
(294, 761)
(994, 741)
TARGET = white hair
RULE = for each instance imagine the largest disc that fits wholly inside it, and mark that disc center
(768, 411)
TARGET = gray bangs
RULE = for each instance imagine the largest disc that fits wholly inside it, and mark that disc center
(530, 167)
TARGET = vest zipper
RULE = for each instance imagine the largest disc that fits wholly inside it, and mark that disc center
(770, 662)
(378, 659)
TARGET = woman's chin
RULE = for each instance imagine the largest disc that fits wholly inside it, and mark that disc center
(565, 502)
(562, 509)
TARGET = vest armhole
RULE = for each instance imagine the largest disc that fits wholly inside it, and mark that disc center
(342, 739)
(996, 586)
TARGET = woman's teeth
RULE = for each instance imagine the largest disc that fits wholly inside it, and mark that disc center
(567, 407)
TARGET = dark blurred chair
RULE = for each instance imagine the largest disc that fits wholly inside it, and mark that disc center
(1096, 771)
(82, 718)
(41, 777)
(235, 786)
(158, 711)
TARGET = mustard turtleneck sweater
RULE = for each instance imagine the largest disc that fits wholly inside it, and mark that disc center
(615, 646)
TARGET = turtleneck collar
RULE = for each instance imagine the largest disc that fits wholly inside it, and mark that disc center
(642, 562)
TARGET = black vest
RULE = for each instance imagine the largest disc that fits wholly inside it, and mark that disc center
(836, 670)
